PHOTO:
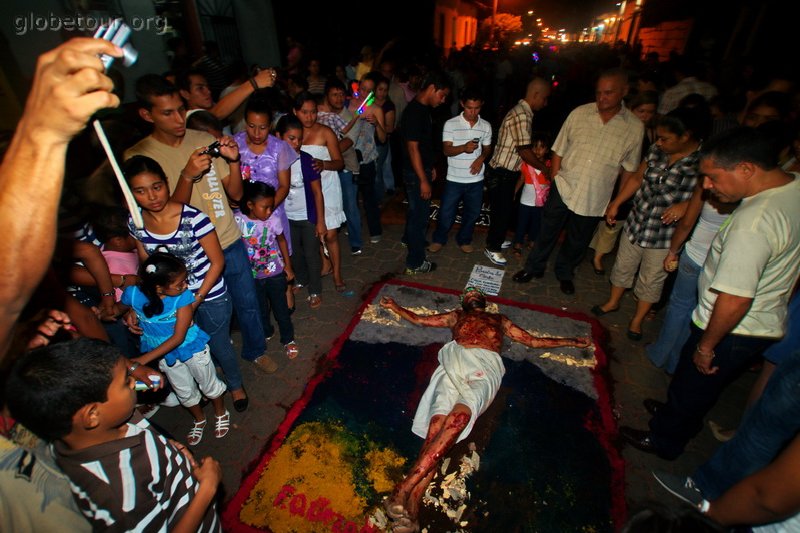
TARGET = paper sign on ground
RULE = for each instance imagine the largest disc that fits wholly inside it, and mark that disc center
(487, 279)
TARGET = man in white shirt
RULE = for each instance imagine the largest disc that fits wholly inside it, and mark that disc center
(466, 140)
(596, 141)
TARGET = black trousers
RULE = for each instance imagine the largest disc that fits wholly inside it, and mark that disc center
(500, 184)
(579, 229)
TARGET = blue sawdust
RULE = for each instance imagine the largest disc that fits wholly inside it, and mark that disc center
(541, 470)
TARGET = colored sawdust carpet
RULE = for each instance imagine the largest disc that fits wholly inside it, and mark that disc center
(539, 459)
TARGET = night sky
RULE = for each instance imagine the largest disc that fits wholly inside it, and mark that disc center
(332, 27)
(570, 14)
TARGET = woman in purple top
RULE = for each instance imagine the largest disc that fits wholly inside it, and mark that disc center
(266, 158)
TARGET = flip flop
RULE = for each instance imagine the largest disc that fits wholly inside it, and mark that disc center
(314, 301)
(341, 287)
(634, 335)
(598, 311)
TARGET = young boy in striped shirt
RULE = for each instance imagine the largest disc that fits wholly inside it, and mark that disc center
(124, 475)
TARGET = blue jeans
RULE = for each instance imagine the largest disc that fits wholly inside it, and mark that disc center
(771, 423)
(239, 280)
(691, 395)
(350, 205)
(666, 351)
(419, 212)
(272, 297)
(214, 317)
(529, 222)
(472, 196)
(791, 337)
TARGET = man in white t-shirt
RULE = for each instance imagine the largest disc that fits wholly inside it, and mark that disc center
(744, 290)
(467, 142)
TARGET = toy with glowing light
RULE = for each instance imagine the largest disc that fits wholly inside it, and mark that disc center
(368, 101)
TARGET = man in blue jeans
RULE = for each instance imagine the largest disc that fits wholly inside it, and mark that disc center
(766, 428)
(419, 155)
(466, 141)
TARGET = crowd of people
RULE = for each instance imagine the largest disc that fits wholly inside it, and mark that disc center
(245, 182)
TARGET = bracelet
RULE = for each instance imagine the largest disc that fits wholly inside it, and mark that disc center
(704, 506)
(192, 179)
(134, 366)
(704, 354)
(254, 84)
(199, 296)
(109, 293)
(238, 158)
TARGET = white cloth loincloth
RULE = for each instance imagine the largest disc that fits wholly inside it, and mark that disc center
(331, 187)
(470, 376)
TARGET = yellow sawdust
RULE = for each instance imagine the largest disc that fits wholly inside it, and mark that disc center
(308, 486)
(381, 464)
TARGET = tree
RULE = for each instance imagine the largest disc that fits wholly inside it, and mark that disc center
(505, 25)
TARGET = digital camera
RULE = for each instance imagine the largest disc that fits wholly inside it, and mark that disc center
(212, 149)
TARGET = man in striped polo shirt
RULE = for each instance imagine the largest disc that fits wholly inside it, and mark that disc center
(512, 148)
(467, 140)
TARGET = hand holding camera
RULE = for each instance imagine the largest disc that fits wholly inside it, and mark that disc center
(199, 163)
(225, 147)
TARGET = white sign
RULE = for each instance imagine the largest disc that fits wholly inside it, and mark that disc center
(487, 279)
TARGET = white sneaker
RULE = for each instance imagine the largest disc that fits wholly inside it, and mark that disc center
(495, 257)
(506, 244)
(375, 239)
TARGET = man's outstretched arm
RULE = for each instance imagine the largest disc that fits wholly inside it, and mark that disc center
(68, 88)
(444, 320)
(517, 334)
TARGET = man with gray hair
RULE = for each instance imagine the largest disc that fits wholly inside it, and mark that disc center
(596, 141)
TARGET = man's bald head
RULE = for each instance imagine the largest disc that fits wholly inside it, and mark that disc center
(612, 86)
(537, 92)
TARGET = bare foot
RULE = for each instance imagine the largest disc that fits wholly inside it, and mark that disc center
(394, 510)
(405, 525)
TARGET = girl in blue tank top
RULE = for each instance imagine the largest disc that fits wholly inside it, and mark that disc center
(163, 306)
